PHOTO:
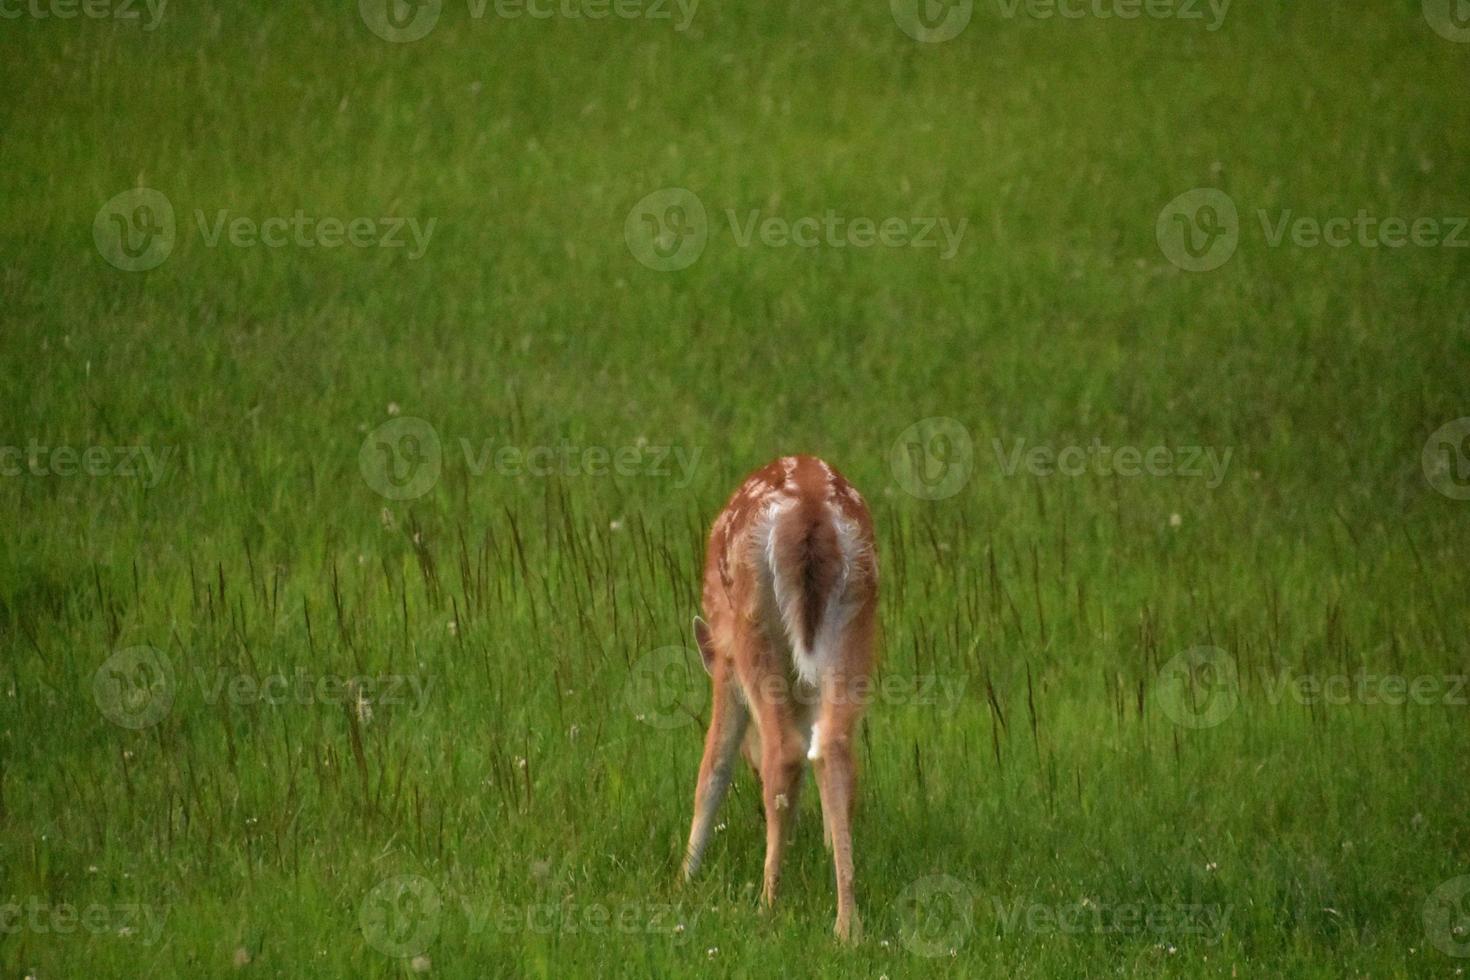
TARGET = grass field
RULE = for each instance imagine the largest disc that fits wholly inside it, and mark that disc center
(369, 399)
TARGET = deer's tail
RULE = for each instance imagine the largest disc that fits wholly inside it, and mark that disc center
(805, 555)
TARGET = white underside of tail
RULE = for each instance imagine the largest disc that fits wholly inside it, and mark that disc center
(837, 610)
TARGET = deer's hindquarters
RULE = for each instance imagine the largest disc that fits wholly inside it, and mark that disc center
(790, 592)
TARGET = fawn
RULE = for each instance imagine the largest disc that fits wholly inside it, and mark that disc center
(790, 596)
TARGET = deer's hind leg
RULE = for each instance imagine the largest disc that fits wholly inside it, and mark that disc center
(729, 719)
(776, 713)
(845, 691)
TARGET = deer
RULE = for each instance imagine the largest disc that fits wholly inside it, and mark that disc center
(790, 594)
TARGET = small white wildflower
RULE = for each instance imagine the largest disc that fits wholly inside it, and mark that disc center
(453, 628)
(392, 408)
(420, 964)
(1175, 520)
(616, 525)
(712, 952)
(678, 929)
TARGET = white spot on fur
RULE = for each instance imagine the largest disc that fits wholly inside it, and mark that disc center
(814, 750)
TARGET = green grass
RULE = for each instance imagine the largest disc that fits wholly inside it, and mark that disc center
(518, 780)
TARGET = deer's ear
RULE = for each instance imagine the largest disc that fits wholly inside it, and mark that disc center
(703, 637)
